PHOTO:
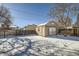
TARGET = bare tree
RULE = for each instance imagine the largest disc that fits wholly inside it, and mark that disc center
(77, 22)
(65, 22)
(5, 16)
(75, 11)
(59, 10)
(63, 13)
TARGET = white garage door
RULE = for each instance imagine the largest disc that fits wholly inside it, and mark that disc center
(52, 31)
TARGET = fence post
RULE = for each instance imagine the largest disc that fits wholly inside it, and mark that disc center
(4, 34)
(16, 32)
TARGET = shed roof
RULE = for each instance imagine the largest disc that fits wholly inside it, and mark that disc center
(46, 23)
(13, 26)
(43, 24)
(70, 27)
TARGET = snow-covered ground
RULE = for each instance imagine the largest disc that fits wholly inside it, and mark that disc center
(34, 45)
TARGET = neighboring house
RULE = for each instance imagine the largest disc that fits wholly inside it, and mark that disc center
(4, 27)
(13, 27)
(30, 27)
(46, 29)
(8, 27)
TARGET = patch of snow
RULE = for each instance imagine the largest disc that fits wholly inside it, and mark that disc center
(5, 47)
(43, 24)
(11, 46)
(33, 45)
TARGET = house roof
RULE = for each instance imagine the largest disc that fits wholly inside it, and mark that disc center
(70, 27)
(13, 26)
(43, 24)
(46, 23)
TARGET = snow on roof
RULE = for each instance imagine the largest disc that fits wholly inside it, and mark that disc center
(13, 26)
(43, 24)
(46, 23)
(70, 27)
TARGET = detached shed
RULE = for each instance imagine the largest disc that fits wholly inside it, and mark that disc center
(46, 29)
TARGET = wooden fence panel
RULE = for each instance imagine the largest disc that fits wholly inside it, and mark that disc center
(16, 32)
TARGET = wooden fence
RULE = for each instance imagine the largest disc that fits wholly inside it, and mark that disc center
(8, 33)
(73, 31)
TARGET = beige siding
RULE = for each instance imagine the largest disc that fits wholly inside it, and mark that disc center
(41, 30)
(46, 31)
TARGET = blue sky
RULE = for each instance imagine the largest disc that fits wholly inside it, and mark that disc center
(24, 14)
